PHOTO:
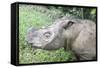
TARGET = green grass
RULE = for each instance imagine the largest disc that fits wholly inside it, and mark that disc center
(30, 16)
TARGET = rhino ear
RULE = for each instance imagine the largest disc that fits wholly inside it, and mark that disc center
(31, 32)
(68, 24)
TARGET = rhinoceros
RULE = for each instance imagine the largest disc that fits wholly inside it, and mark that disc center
(72, 34)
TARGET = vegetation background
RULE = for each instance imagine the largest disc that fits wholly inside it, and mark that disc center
(42, 16)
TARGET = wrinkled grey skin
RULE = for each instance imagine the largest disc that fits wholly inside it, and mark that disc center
(76, 35)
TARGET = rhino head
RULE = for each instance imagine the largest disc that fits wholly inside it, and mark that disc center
(50, 38)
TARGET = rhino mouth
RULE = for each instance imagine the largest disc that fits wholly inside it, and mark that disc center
(36, 47)
(45, 48)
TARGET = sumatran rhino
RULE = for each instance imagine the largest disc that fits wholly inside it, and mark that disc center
(76, 35)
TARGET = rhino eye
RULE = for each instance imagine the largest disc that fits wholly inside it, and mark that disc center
(47, 34)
